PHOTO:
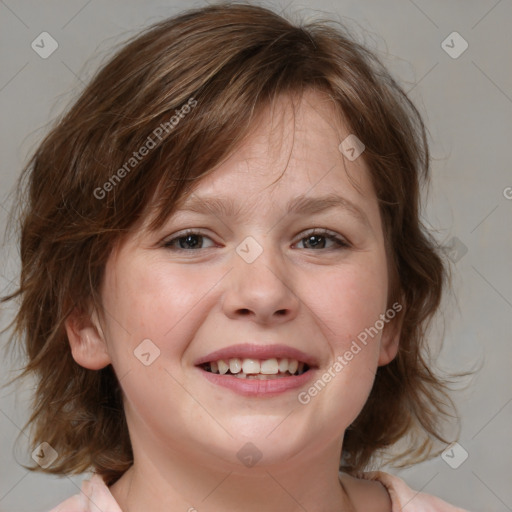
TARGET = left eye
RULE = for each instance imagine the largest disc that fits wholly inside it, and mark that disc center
(318, 239)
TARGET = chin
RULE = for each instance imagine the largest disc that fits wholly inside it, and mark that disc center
(265, 442)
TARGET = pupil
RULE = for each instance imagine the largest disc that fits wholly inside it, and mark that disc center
(312, 238)
(189, 241)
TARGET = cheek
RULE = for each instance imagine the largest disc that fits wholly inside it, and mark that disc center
(349, 301)
(154, 302)
(152, 315)
(348, 304)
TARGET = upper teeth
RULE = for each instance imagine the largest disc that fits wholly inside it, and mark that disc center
(250, 366)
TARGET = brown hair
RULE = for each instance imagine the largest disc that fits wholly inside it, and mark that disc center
(227, 62)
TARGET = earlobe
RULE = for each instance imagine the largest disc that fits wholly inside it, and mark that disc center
(389, 347)
(87, 341)
(390, 341)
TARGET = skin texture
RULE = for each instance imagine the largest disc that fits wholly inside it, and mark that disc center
(186, 431)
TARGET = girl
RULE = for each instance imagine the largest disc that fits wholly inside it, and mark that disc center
(225, 283)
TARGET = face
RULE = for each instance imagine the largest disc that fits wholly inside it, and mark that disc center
(276, 276)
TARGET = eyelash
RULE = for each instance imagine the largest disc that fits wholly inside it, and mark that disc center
(341, 243)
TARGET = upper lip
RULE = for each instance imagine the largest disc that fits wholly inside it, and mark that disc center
(261, 352)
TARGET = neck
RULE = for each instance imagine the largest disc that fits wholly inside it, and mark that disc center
(161, 481)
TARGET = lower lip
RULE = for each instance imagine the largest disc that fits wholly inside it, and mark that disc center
(256, 387)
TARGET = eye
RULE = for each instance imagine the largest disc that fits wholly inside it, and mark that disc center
(317, 239)
(188, 240)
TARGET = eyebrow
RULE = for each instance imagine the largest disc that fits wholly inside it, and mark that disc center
(303, 204)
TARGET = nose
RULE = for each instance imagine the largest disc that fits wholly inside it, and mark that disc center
(261, 291)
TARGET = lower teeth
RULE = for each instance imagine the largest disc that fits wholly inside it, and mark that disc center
(261, 376)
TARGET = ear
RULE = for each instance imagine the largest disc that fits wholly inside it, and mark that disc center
(87, 341)
(390, 339)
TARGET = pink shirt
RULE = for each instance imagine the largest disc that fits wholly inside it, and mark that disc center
(96, 497)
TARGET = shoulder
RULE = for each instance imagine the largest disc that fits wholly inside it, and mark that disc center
(401, 495)
(93, 495)
(366, 495)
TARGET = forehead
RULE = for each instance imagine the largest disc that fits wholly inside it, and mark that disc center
(291, 155)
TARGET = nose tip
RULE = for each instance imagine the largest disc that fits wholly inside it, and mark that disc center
(258, 287)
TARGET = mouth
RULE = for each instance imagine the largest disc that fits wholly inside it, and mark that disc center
(256, 370)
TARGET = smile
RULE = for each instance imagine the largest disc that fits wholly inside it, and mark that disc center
(260, 371)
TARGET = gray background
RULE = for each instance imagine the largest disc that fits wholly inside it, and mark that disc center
(467, 104)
